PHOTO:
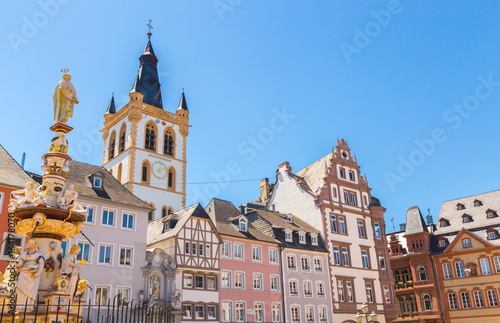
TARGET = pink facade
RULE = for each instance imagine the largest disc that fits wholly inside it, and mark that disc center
(250, 286)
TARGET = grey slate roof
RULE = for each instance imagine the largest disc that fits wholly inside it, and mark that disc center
(225, 216)
(314, 173)
(414, 221)
(490, 200)
(111, 107)
(273, 223)
(155, 228)
(182, 103)
(11, 173)
(112, 190)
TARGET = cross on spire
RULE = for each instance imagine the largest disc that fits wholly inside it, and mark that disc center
(150, 27)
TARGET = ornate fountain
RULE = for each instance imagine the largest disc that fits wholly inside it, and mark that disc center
(38, 279)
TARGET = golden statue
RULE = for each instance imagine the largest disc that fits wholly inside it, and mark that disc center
(64, 98)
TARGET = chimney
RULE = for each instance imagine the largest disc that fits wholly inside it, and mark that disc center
(264, 190)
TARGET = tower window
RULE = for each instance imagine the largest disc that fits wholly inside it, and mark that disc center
(121, 142)
(145, 173)
(169, 141)
(171, 178)
(150, 142)
(163, 212)
(111, 148)
(119, 175)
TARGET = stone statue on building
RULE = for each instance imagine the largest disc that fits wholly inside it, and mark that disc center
(64, 99)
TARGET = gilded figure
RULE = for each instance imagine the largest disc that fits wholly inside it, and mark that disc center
(64, 99)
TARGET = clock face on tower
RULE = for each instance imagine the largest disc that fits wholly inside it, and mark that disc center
(159, 170)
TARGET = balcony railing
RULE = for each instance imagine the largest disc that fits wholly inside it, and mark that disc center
(403, 285)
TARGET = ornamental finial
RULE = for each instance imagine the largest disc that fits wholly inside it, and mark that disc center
(150, 27)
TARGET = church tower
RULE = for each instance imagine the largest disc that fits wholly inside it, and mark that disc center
(145, 145)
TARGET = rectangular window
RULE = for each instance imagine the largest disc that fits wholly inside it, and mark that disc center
(351, 175)
(201, 249)
(336, 255)
(342, 173)
(128, 221)
(305, 263)
(320, 288)
(101, 295)
(318, 265)
(288, 236)
(340, 290)
(259, 312)
(240, 312)
(361, 229)
(452, 299)
(381, 260)
(341, 225)
(378, 234)
(105, 253)
(485, 266)
(199, 282)
(496, 260)
(291, 262)
(108, 217)
(238, 251)
(307, 289)
(302, 238)
(364, 258)
(256, 253)
(354, 200)
(188, 281)
(322, 313)
(346, 197)
(275, 283)
(211, 312)
(257, 281)
(293, 288)
(345, 256)
(123, 295)
(225, 249)
(226, 279)
(387, 294)
(314, 240)
(369, 293)
(273, 255)
(200, 312)
(226, 312)
(447, 271)
(465, 300)
(333, 223)
(478, 297)
(125, 256)
(492, 298)
(295, 313)
(309, 314)
(187, 248)
(84, 251)
(239, 280)
(211, 282)
(194, 248)
(466, 242)
(276, 312)
(90, 211)
(350, 292)
(459, 266)
(188, 311)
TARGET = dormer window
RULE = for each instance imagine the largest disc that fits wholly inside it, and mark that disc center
(302, 238)
(288, 218)
(169, 225)
(466, 218)
(314, 240)
(243, 224)
(442, 243)
(97, 182)
(460, 206)
(478, 203)
(491, 214)
(443, 222)
(288, 236)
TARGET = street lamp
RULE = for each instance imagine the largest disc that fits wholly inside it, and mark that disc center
(365, 315)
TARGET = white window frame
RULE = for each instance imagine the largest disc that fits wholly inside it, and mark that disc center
(5, 244)
(131, 256)
(85, 242)
(243, 310)
(485, 266)
(273, 309)
(259, 253)
(134, 216)
(262, 312)
(309, 288)
(320, 261)
(122, 288)
(111, 254)
(214, 312)
(294, 268)
(302, 238)
(94, 182)
(447, 273)
(291, 293)
(96, 286)
(228, 249)
(452, 301)
(320, 286)
(94, 214)
(114, 217)
(314, 239)
(242, 273)
(230, 277)
(259, 278)
(242, 251)
(184, 280)
(277, 278)
(229, 310)
(307, 262)
(275, 251)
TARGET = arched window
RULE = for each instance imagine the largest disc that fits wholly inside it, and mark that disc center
(145, 172)
(171, 178)
(170, 210)
(111, 147)
(119, 175)
(163, 211)
(121, 143)
(150, 140)
(169, 142)
(422, 273)
(427, 302)
(151, 214)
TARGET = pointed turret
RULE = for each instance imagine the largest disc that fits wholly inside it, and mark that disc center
(182, 102)
(111, 106)
(147, 81)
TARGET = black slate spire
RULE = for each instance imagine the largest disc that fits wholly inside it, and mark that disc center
(111, 106)
(182, 103)
(147, 81)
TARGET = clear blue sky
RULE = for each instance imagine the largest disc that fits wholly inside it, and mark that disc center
(342, 68)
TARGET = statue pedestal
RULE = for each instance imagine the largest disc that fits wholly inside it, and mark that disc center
(53, 301)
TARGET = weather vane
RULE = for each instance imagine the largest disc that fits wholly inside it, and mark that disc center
(150, 27)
